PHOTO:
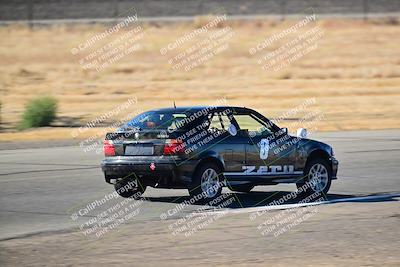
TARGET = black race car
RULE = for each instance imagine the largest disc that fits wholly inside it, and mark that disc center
(205, 148)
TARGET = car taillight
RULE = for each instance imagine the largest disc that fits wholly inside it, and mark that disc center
(108, 147)
(173, 146)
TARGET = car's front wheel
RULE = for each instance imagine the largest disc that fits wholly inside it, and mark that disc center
(207, 182)
(317, 177)
(129, 188)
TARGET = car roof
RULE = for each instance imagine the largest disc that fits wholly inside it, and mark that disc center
(193, 109)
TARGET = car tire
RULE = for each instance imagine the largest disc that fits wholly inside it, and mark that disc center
(241, 188)
(129, 188)
(319, 175)
(206, 182)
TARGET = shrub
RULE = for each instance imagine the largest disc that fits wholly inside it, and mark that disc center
(39, 112)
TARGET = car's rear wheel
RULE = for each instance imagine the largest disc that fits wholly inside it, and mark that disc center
(207, 182)
(317, 177)
(129, 188)
(241, 188)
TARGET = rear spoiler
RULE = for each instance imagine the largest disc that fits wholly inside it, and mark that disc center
(121, 135)
(144, 134)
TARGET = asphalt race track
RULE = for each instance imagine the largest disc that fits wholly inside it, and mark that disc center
(40, 186)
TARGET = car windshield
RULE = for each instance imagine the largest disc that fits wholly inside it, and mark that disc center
(155, 120)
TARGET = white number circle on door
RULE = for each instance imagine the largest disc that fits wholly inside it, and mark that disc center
(264, 148)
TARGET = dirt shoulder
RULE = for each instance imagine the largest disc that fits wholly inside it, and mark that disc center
(353, 74)
(51, 136)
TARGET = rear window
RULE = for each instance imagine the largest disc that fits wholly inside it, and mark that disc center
(154, 120)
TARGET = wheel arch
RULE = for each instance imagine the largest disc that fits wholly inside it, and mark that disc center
(317, 154)
(207, 158)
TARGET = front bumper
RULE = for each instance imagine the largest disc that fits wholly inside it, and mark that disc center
(335, 166)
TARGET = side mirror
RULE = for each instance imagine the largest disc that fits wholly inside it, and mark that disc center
(301, 133)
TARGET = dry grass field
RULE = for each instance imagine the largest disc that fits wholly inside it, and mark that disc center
(354, 74)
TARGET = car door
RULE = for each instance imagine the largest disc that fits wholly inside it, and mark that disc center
(265, 157)
(228, 145)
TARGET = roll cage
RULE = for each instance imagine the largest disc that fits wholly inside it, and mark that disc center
(268, 124)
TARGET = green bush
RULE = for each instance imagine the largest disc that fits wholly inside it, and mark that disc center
(39, 112)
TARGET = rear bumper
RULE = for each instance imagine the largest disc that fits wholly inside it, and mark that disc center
(335, 166)
(167, 171)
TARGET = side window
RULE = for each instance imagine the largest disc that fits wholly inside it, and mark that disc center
(249, 123)
(215, 123)
(225, 121)
(219, 121)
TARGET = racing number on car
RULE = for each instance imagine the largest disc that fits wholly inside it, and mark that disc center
(264, 148)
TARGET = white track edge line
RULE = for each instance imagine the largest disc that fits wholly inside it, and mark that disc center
(292, 206)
